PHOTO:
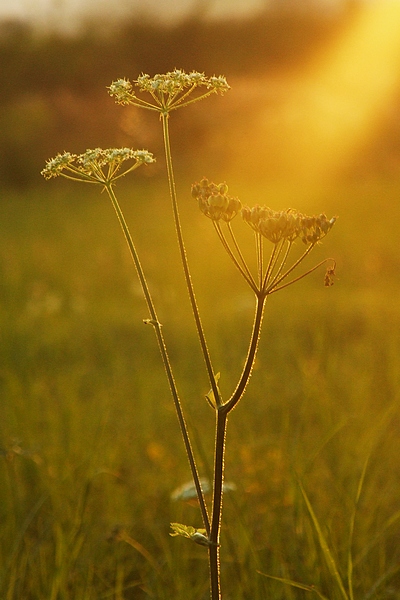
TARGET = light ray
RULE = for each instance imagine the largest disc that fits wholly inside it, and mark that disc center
(344, 95)
(316, 120)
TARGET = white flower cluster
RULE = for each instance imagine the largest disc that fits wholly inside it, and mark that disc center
(89, 165)
(169, 91)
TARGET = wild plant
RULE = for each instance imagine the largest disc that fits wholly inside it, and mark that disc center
(277, 236)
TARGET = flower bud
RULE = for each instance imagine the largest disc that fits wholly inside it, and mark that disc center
(201, 539)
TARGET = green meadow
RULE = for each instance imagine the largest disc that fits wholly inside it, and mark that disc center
(90, 447)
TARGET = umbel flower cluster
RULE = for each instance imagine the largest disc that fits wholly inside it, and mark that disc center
(287, 224)
(274, 225)
(169, 91)
(281, 228)
(214, 201)
(97, 165)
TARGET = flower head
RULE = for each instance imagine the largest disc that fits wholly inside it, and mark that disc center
(96, 165)
(214, 201)
(122, 91)
(54, 166)
(315, 228)
(286, 225)
(168, 91)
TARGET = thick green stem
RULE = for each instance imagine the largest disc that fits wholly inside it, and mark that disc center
(164, 354)
(182, 250)
(214, 549)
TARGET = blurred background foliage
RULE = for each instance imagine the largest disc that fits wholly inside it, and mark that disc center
(89, 445)
(54, 89)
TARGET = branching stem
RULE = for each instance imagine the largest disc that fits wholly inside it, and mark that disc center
(217, 504)
(182, 250)
(163, 350)
(251, 356)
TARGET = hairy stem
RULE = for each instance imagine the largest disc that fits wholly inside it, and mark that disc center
(219, 464)
(214, 550)
(164, 354)
(251, 356)
(182, 250)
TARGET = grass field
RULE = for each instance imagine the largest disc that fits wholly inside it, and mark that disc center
(90, 446)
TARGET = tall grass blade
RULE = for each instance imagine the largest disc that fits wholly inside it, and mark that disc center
(330, 561)
(296, 584)
(351, 534)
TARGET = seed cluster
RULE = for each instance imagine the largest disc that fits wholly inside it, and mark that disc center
(287, 225)
(214, 201)
(274, 225)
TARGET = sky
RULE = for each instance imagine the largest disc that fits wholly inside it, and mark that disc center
(67, 15)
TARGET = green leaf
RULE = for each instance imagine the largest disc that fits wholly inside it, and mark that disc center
(210, 396)
(199, 536)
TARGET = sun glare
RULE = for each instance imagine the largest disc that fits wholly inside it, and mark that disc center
(344, 94)
(316, 121)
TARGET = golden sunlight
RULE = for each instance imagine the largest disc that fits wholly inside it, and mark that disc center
(316, 120)
(344, 94)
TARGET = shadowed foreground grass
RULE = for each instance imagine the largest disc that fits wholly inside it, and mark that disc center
(90, 447)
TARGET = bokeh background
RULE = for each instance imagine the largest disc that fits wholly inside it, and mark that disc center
(90, 448)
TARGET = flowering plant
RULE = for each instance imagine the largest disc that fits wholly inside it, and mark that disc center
(272, 271)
